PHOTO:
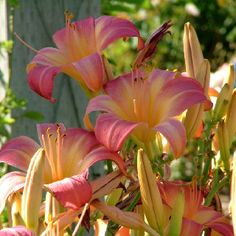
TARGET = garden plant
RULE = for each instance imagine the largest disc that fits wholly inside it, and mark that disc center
(138, 123)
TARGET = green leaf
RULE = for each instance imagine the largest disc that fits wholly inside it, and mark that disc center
(177, 215)
(34, 115)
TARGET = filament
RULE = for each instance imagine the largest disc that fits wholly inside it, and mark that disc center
(24, 43)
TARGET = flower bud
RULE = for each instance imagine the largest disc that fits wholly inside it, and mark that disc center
(224, 97)
(194, 115)
(199, 69)
(231, 117)
(192, 51)
(16, 210)
(150, 195)
(32, 193)
(223, 139)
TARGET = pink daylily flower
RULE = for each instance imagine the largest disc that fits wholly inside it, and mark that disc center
(78, 53)
(140, 105)
(69, 152)
(196, 217)
(16, 231)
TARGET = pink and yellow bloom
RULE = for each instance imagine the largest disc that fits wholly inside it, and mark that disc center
(78, 53)
(196, 216)
(140, 105)
(69, 152)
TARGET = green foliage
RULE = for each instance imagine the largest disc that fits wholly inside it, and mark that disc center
(13, 3)
(9, 103)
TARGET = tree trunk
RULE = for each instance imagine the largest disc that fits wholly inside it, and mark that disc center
(35, 21)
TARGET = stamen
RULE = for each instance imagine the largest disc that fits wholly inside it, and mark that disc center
(49, 154)
(26, 44)
(68, 17)
(59, 144)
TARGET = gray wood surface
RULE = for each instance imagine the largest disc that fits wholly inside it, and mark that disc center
(36, 21)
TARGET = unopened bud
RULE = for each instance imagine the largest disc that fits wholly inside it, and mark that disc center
(150, 195)
(192, 50)
(32, 194)
(223, 139)
(231, 118)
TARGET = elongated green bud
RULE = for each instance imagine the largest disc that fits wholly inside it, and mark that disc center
(231, 118)
(32, 194)
(198, 68)
(223, 139)
(150, 195)
(195, 113)
(224, 97)
(192, 51)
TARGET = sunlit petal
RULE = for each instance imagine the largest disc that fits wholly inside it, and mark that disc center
(18, 152)
(177, 95)
(109, 29)
(112, 131)
(92, 71)
(10, 183)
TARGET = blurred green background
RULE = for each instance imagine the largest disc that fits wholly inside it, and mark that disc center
(213, 20)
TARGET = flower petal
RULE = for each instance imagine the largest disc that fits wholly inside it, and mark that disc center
(77, 39)
(16, 231)
(112, 131)
(103, 103)
(10, 183)
(174, 132)
(49, 57)
(109, 28)
(92, 71)
(77, 143)
(177, 95)
(100, 154)
(72, 192)
(222, 226)
(190, 227)
(41, 80)
(18, 152)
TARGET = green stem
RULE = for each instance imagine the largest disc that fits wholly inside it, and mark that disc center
(134, 202)
(216, 187)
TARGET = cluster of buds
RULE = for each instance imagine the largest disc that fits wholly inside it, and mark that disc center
(148, 117)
